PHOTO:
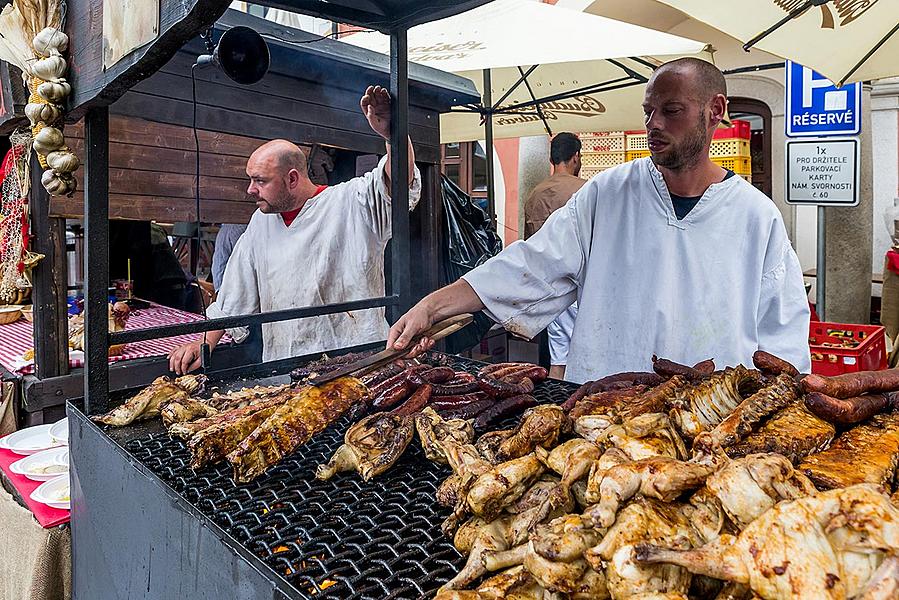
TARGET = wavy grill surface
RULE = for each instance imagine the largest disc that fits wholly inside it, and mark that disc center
(379, 539)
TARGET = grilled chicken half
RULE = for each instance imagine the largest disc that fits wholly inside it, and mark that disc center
(147, 402)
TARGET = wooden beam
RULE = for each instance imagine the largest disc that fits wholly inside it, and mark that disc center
(96, 86)
(51, 333)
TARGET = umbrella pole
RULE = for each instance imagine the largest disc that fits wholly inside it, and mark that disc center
(488, 140)
(821, 265)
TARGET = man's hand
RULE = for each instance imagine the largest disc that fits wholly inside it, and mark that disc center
(186, 358)
(408, 327)
(375, 106)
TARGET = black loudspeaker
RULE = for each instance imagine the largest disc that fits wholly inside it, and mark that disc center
(241, 54)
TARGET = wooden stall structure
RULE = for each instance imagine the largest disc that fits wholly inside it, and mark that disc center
(310, 96)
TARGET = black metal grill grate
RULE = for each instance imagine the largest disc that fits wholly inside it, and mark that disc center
(341, 538)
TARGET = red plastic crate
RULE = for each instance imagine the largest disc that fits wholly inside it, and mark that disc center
(829, 357)
(738, 129)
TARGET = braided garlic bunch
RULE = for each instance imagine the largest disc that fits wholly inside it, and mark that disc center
(49, 89)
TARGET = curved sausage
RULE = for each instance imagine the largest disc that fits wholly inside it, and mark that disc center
(503, 389)
(379, 375)
(502, 409)
(769, 364)
(431, 375)
(490, 369)
(416, 401)
(668, 368)
(577, 395)
(849, 385)
(631, 378)
(393, 396)
(466, 411)
(706, 367)
(532, 372)
(846, 411)
(455, 389)
(445, 402)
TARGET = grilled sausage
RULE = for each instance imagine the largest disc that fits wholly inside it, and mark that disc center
(771, 365)
(502, 409)
(490, 369)
(502, 389)
(378, 375)
(849, 385)
(416, 401)
(668, 368)
(466, 411)
(630, 378)
(846, 411)
(706, 367)
(446, 402)
(393, 396)
(532, 372)
(577, 395)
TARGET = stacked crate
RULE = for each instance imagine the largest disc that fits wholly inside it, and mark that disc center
(601, 150)
(730, 148)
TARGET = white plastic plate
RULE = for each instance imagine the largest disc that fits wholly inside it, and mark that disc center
(59, 432)
(53, 493)
(29, 441)
(42, 466)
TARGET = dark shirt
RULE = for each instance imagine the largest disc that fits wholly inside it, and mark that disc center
(684, 204)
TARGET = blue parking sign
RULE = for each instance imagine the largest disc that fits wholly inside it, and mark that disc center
(815, 107)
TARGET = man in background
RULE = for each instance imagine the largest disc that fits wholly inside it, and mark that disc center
(548, 196)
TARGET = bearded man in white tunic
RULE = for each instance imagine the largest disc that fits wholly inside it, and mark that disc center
(669, 255)
(309, 245)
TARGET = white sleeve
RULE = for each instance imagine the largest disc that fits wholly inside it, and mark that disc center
(783, 319)
(372, 194)
(239, 294)
(528, 284)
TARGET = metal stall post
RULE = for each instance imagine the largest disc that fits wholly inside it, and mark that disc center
(488, 141)
(400, 260)
(96, 260)
(821, 267)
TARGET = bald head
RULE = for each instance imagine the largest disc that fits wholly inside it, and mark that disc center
(282, 154)
(705, 79)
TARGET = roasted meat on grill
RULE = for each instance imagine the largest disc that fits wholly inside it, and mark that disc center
(222, 433)
(593, 425)
(865, 454)
(650, 434)
(657, 477)
(639, 521)
(244, 396)
(513, 584)
(502, 485)
(433, 429)
(829, 545)
(184, 410)
(308, 412)
(540, 426)
(555, 557)
(749, 486)
(147, 402)
(793, 432)
(702, 406)
(371, 446)
(779, 394)
(572, 460)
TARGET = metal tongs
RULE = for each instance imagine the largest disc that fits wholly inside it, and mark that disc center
(437, 331)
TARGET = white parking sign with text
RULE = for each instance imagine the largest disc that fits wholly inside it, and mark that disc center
(822, 172)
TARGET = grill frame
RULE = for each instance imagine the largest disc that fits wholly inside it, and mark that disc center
(343, 525)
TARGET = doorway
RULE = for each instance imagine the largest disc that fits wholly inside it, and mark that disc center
(758, 114)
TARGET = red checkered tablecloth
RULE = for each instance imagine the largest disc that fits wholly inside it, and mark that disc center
(17, 338)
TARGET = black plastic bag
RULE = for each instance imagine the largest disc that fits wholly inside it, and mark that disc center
(471, 240)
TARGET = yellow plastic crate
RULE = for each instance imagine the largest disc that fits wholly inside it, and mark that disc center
(602, 141)
(728, 147)
(588, 172)
(741, 165)
(601, 159)
(635, 154)
(636, 141)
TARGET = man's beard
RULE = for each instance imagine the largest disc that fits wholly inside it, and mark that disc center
(685, 154)
(280, 204)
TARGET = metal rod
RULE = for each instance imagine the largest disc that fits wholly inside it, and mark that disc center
(152, 333)
(96, 260)
(522, 79)
(755, 68)
(629, 71)
(868, 55)
(488, 151)
(400, 259)
(540, 114)
(791, 15)
(821, 266)
(595, 89)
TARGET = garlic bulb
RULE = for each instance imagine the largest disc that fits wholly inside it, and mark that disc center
(50, 41)
(63, 161)
(54, 91)
(49, 69)
(42, 113)
(58, 185)
(47, 140)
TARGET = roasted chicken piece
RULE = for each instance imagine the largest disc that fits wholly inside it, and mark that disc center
(593, 426)
(502, 485)
(371, 446)
(432, 429)
(308, 412)
(657, 477)
(244, 396)
(610, 458)
(794, 432)
(642, 520)
(147, 402)
(572, 460)
(555, 557)
(651, 434)
(829, 545)
(780, 393)
(702, 406)
(184, 410)
(865, 454)
(540, 426)
(603, 402)
(488, 444)
(749, 486)
(513, 584)
(188, 429)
